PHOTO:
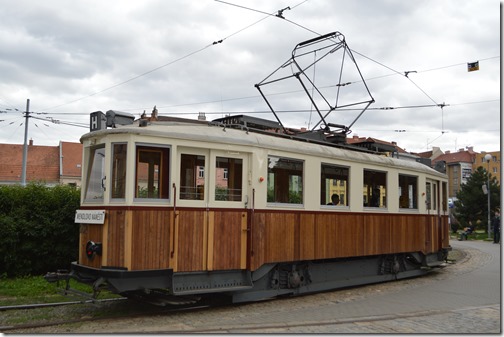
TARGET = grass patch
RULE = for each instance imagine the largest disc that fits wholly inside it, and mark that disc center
(35, 289)
(477, 235)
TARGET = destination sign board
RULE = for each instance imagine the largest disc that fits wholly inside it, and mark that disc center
(90, 216)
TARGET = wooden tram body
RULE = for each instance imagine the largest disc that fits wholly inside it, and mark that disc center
(199, 208)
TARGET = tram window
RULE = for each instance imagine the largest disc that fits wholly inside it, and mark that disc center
(228, 179)
(428, 197)
(445, 196)
(375, 189)
(118, 189)
(192, 177)
(96, 174)
(152, 180)
(333, 180)
(408, 192)
(285, 180)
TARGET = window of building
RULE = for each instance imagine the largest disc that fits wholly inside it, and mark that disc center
(334, 181)
(192, 177)
(228, 179)
(96, 174)
(408, 195)
(152, 172)
(118, 189)
(375, 189)
(285, 180)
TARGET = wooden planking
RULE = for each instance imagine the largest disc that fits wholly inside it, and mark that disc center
(89, 232)
(279, 234)
(351, 240)
(142, 239)
(326, 236)
(226, 245)
(150, 246)
(377, 234)
(116, 238)
(407, 233)
(307, 232)
(258, 225)
(190, 246)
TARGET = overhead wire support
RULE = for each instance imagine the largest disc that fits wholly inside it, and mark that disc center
(300, 62)
(25, 145)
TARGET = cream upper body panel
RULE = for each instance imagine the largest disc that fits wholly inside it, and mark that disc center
(213, 140)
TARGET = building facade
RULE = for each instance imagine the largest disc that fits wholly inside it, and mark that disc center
(493, 166)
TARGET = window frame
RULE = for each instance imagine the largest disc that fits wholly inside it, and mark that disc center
(89, 174)
(198, 169)
(415, 191)
(225, 177)
(113, 171)
(285, 177)
(381, 199)
(323, 186)
(164, 182)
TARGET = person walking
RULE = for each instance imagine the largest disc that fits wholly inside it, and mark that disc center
(496, 226)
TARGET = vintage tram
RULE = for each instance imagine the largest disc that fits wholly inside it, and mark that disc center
(178, 209)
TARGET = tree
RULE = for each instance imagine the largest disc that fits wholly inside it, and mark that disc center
(472, 203)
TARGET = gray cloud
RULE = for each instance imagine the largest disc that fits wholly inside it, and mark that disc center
(65, 56)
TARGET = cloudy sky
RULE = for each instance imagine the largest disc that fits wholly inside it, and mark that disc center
(71, 58)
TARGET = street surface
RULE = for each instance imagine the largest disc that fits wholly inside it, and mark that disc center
(464, 297)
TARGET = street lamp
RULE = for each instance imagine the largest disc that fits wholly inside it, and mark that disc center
(488, 156)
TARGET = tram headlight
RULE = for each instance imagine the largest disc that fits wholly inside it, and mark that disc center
(93, 249)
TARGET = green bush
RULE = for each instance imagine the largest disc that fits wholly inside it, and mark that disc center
(37, 229)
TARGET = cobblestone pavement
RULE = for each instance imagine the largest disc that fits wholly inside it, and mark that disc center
(420, 305)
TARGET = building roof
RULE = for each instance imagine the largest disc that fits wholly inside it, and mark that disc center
(43, 162)
(456, 157)
(370, 142)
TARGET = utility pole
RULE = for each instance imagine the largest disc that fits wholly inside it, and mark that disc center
(25, 148)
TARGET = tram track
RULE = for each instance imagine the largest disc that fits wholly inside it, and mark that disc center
(142, 312)
(54, 304)
(145, 316)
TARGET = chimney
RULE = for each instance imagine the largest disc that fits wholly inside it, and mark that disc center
(31, 142)
(447, 152)
(154, 114)
(394, 143)
(201, 116)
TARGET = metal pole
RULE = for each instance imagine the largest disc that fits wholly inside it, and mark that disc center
(488, 194)
(25, 148)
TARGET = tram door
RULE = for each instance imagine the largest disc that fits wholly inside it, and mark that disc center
(227, 239)
(434, 228)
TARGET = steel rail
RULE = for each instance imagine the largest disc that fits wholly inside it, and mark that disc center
(55, 304)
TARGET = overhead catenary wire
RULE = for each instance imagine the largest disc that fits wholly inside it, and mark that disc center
(162, 66)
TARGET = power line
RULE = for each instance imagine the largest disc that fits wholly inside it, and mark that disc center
(164, 65)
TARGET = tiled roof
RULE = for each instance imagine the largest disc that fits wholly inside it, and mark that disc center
(43, 162)
(363, 140)
(456, 157)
